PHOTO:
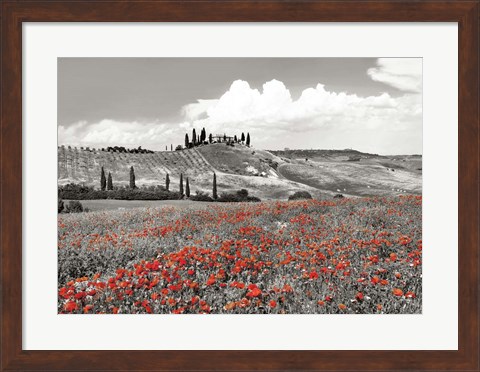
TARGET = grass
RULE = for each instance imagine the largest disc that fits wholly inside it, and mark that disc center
(348, 256)
(109, 205)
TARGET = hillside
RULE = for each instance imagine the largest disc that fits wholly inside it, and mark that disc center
(83, 166)
(352, 172)
(265, 174)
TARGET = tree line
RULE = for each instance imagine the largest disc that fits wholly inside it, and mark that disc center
(184, 189)
(201, 139)
(106, 183)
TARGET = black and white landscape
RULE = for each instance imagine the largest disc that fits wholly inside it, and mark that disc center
(239, 185)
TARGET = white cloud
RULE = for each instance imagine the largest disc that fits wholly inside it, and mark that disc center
(402, 73)
(317, 119)
(320, 117)
(151, 135)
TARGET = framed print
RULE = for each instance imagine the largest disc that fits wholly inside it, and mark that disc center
(240, 185)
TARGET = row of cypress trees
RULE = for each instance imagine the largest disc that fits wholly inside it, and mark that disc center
(108, 183)
(187, 186)
(201, 138)
(104, 182)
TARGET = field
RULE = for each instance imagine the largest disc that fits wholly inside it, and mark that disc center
(268, 175)
(109, 204)
(351, 255)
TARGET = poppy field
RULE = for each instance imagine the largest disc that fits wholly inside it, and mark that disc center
(340, 256)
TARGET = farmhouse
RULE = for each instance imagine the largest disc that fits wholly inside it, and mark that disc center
(222, 138)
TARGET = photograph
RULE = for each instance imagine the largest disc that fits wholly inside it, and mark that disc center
(215, 185)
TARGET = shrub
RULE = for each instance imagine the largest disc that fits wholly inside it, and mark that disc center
(338, 196)
(74, 206)
(300, 195)
(243, 193)
(61, 205)
(76, 192)
(239, 196)
(201, 196)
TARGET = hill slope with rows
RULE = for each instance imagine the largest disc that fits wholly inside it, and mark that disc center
(83, 166)
(265, 174)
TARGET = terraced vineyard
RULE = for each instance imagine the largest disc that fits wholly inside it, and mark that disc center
(83, 166)
(265, 174)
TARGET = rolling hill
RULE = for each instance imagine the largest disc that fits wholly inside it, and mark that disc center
(266, 174)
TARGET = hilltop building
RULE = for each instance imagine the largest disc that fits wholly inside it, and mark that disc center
(222, 138)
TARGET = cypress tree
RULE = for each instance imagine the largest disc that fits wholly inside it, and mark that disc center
(224, 137)
(210, 138)
(171, 147)
(235, 138)
(248, 139)
(214, 191)
(186, 140)
(167, 182)
(187, 189)
(194, 137)
(103, 180)
(109, 182)
(181, 184)
(243, 137)
(132, 178)
(166, 148)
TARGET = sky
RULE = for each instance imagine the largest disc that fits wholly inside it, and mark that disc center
(368, 104)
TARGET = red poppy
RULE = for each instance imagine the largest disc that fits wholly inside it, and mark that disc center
(359, 296)
(397, 292)
(313, 275)
(70, 306)
(254, 292)
(410, 295)
(273, 303)
(80, 295)
(211, 280)
(230, 306)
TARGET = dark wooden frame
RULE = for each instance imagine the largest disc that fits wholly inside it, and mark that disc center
(466, 13)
